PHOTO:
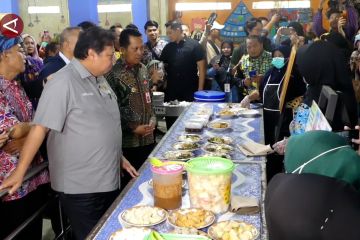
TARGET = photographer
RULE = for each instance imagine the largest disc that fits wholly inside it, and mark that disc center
(342, 17)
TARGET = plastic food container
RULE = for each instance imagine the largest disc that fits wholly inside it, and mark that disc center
(209, 180)
(167, 186)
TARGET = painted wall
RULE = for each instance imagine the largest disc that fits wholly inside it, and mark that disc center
(222, 15)
(50, 22)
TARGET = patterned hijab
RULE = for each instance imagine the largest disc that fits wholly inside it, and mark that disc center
(7, 43)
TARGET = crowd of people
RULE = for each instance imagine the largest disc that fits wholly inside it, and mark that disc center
(84, 104)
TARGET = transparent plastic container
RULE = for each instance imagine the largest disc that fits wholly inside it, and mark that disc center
(167, 186)
(209, 180)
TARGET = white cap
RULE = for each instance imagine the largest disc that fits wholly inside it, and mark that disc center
(217, 25)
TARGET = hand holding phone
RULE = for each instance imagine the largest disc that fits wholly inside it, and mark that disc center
(212, 18)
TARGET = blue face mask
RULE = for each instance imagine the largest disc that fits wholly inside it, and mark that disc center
(278, 62)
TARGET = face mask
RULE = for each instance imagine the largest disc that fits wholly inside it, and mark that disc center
(278, 62)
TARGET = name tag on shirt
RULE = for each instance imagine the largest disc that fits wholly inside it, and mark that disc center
(148, 97)
(227, 87)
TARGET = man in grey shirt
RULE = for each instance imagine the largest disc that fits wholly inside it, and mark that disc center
(79, 111)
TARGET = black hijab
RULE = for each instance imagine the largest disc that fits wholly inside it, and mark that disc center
(322, 63)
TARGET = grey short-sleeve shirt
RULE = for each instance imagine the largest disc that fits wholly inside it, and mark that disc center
(84, 142)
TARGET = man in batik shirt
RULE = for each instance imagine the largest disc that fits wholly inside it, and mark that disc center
(131, 83)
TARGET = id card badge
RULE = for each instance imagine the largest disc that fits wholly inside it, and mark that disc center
(227, 87)
(148, 97)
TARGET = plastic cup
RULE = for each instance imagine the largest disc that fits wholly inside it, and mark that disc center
(167, 186)
(209, 180)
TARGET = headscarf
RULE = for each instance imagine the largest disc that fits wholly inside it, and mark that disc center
(284, 49)
(339, 41)
(321, 63)
(338, 159)
(36, 53)
(7, 43)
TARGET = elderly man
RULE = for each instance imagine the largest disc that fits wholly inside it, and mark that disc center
(253, 66)
(68, 39)
(78, 110)
(131, 83)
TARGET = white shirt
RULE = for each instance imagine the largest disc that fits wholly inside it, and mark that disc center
(66, 60)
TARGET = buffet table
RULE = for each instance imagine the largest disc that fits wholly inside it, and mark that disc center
(249, 176)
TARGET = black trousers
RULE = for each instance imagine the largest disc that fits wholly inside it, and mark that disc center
(136, 156)
(85, 210)
(13, 213)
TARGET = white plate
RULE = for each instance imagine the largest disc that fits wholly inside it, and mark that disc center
(130, 233)
(186, 146)
(217, 154)
(178, 155)
(252, 234)
(132, 216)
(188, 214)
(190, 138)
(249, 113)
(215, 125)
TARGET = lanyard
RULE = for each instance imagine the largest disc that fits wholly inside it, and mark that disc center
(300, 169)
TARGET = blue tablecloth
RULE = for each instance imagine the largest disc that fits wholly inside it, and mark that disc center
(249, 178)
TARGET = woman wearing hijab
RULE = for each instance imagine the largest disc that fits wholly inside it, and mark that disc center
(33, 66)
(327, 68)
(16, 113)
(219, 67)
(270, 91)
(321, 189)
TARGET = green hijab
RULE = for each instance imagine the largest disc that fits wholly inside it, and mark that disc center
(324, 153)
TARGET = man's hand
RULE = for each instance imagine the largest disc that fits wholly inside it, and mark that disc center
(3, 138)
(275, 18)
(144, 130)
(14, 181)
(14, 146)
(356, 141)
(126, 165)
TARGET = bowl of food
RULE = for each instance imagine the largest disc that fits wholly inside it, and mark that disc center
(227, 113)
(190, 138)
(217, 148)
(143, 216)
(191, 218)
(186, 146)
(236, 230)
(219, 125)
(178, 155)
(250, 113)
(220, 140)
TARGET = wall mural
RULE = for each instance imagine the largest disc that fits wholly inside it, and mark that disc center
(234, 29)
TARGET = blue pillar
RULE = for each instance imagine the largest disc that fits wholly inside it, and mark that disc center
(80, 11)
(140, 14)
(9, 6)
